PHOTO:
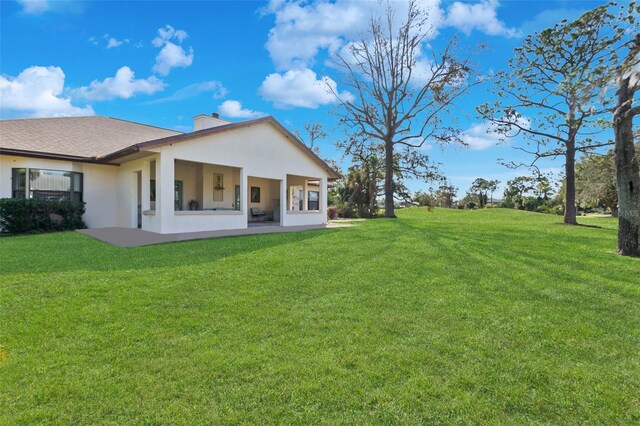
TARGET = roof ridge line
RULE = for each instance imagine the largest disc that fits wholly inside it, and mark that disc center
(139, 124)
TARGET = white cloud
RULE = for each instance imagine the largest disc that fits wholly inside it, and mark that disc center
(167, 34)
(123, 85)
(214, 87)
(34, 7)
(485, 135)
(299, 88)
(302, 30)
(171, 55)
(37, 91)
(549, 17)
(480, 136)
(110, 42)
(37, 7)
(113, 42)
(481, 16)
(233, 109)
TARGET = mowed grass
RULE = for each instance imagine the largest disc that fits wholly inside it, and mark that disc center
(449, 317)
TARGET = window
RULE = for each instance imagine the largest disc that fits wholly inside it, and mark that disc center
(19, 183)
(313, 200)
(152, 190)
(51, 185)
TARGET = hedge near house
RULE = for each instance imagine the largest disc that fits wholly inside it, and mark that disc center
(33, 216)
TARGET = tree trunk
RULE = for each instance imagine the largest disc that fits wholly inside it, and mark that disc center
(373, 192)
(570, 193)
(389, 209)
(614, 210)
(627, 174)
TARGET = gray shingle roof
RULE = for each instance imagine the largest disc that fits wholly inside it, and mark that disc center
(76, 136)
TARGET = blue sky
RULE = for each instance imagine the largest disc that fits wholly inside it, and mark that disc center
(162, 63)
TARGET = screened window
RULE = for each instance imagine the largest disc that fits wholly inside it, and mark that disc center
(313, 200)
(52, 185)
(19, 183)
(152, 190)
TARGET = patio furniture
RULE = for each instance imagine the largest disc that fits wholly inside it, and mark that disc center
(257, 214)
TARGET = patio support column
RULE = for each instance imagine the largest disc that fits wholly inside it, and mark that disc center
(133, 196)
(305, 195)
(283, 201)
(165, 182)
(244, 195)
(146, 190)
(145, 198)
(322, 202)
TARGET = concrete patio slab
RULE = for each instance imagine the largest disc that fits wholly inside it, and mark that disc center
(128, 237)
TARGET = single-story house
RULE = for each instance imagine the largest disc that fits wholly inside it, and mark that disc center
(221, 176)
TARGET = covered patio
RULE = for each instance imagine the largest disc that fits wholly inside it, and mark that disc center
(206, 187)
(128, 237)
(263, 199)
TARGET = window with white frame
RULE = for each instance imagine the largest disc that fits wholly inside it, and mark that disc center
(43, 184)
(313, 200)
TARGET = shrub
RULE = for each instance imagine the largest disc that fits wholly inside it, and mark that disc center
(507, 204)
(543, 208)
(332, 212)
(559, 210)
(347, 211)
(32, 216)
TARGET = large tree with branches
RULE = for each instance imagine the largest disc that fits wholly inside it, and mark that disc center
(401, 98)
(554, 95)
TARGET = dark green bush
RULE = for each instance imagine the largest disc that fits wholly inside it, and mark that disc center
(33, 216)
(346, 211)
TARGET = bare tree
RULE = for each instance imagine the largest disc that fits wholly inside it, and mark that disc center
(394, 104)
(315, 132)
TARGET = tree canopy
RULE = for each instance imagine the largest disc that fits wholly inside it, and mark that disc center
(553, 96)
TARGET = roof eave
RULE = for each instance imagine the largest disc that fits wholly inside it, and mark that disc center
(119, 154)
(46, 155)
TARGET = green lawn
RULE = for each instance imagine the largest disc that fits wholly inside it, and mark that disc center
(493, 316)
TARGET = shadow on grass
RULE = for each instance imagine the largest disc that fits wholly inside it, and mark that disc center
(579, 225)
(569, 258)
(72, 251)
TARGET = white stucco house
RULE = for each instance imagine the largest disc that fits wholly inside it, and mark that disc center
(221, 176)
